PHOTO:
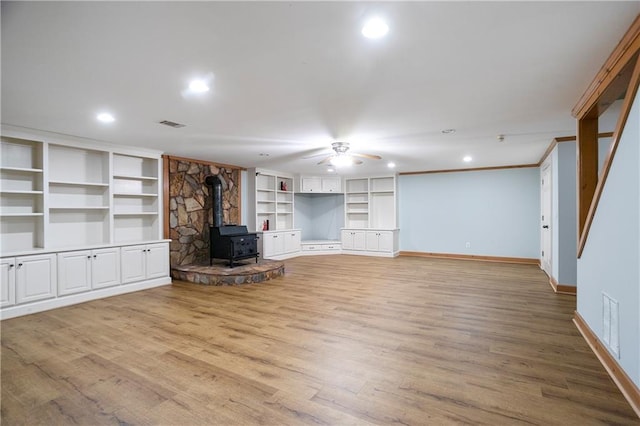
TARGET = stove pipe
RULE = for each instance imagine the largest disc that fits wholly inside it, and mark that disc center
(216, 198)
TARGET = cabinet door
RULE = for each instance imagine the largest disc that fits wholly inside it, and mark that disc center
(35, 278)
(372, 240)
(311, 184)
(385, 241)
(132, 262)
(358, 240)
(353, 240)
(331, 184)
(105, 267)
(74, 272)
(7, 282)
(292, 240)
(347, 240)
(157, 260)
(273, 244)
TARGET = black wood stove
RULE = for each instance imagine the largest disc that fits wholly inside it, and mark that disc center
(231, 242)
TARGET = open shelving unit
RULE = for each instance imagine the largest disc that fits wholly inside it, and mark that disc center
(21, 193)
(370, 202)
(135, 198)
(273, 201)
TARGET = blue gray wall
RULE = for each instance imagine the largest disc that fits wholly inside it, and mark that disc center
(496, 211)
(564, 214)
(319, 216)
(611, 258)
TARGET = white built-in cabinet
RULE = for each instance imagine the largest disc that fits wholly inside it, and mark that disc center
(370, 216)
(69, 208)
(320, 184)
(271, 213)
(84, 270)
(270, 201)
(142, 262)
(280, 244)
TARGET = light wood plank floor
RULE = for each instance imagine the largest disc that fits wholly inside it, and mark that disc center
(339, 340)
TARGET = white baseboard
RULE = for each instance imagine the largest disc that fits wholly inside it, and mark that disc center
(72, 299)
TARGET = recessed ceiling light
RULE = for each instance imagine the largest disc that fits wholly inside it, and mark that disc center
(467, 159)
(448, 131)
(198, 86)
(331, 169)
(375, 28)
(391, 164)
(262, 154)
(106, 117)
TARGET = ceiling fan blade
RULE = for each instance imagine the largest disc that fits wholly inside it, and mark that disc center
(369, 156)
(323, 151)
(326, 160)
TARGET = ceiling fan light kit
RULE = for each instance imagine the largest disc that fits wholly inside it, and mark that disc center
(342, 158)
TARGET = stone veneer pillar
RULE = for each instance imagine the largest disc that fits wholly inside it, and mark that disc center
(189, 203)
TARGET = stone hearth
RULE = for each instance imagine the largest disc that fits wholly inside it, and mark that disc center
(220, 274)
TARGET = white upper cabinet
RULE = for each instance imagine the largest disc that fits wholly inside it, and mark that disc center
(320, 184)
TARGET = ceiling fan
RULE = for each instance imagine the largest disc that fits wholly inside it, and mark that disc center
(343, 157)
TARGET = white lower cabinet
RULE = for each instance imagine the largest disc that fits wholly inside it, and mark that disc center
(28, 279)
(370, 242)
(85, 270)
(280, 243)
(379, 241)
(145, 261)
(353, 240)
(37, 282)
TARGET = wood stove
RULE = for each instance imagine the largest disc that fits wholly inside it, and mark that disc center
(231, 242)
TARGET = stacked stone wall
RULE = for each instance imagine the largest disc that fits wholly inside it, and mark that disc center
(190, 213)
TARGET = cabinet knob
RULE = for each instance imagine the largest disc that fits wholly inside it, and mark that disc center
(19, 265)
(11, 265)
(95, 255)
(88, 257)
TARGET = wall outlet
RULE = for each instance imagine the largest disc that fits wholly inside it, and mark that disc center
(467, 244)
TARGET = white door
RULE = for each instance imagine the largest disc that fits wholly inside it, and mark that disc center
(311, 184)
(545, 231)
(385, 241)
(347, 240)
(8, 282)
(331, 184)
(358, 240)
(74, 272)
(372, 240)
(291, 241)
(157, 260)
(132, 262)
(105, 267)
(35, 278)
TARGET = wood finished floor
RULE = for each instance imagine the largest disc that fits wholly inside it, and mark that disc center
(339, 340)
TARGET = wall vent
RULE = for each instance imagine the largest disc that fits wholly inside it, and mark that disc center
(171, 124)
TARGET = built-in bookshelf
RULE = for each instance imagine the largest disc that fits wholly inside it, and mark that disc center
(370, 202)
(58, 195)
(135, 198)
(21, 193)
(271, 201)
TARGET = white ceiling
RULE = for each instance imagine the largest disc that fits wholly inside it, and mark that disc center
(291, 77)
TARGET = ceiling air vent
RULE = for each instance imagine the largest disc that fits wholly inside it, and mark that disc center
(171, 124)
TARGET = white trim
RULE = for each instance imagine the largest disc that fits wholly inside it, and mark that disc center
(45, 305)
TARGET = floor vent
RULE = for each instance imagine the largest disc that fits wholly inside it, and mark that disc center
(171, 124)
